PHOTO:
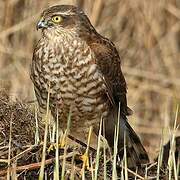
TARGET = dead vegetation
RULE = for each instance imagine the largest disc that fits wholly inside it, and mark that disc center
(21, 153)
(22, 119)
(147, 36)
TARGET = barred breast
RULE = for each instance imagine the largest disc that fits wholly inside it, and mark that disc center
(68, 67)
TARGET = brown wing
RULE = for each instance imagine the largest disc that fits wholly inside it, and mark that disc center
(109, 64)
(108, 61)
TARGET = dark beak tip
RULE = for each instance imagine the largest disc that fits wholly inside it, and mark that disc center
(41, 25)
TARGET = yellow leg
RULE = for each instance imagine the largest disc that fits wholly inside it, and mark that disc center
(63, 139)
(85, 157)
(62, 142)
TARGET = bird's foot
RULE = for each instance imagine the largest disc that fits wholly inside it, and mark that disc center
(63, 140)
(51, 147)
(85, 159)
(61, 144)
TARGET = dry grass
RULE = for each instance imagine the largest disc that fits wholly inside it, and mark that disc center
(21, 157)
(147, 36)
(20, 115)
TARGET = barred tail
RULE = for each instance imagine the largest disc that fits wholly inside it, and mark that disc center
(136, 153)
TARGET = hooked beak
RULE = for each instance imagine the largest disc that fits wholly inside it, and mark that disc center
(41, 25)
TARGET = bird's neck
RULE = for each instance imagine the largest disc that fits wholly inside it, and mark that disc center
(54, 34)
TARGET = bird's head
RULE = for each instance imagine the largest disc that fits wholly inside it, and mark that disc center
(63, 20)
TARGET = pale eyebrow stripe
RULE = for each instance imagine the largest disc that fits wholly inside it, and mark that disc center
(65, 13)
(69, 12)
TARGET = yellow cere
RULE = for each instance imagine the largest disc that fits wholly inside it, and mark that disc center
(56, 19)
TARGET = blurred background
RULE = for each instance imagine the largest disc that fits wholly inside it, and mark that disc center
(147, 36)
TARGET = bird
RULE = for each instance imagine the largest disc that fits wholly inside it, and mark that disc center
(81, 71)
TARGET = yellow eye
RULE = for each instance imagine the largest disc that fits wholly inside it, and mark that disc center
(56, 19)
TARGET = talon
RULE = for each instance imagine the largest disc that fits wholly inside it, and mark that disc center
(62, 143)
(51, 148)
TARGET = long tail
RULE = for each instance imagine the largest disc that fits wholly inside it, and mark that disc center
(136, 153)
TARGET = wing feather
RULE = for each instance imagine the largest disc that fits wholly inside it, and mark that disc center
(108, 61)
